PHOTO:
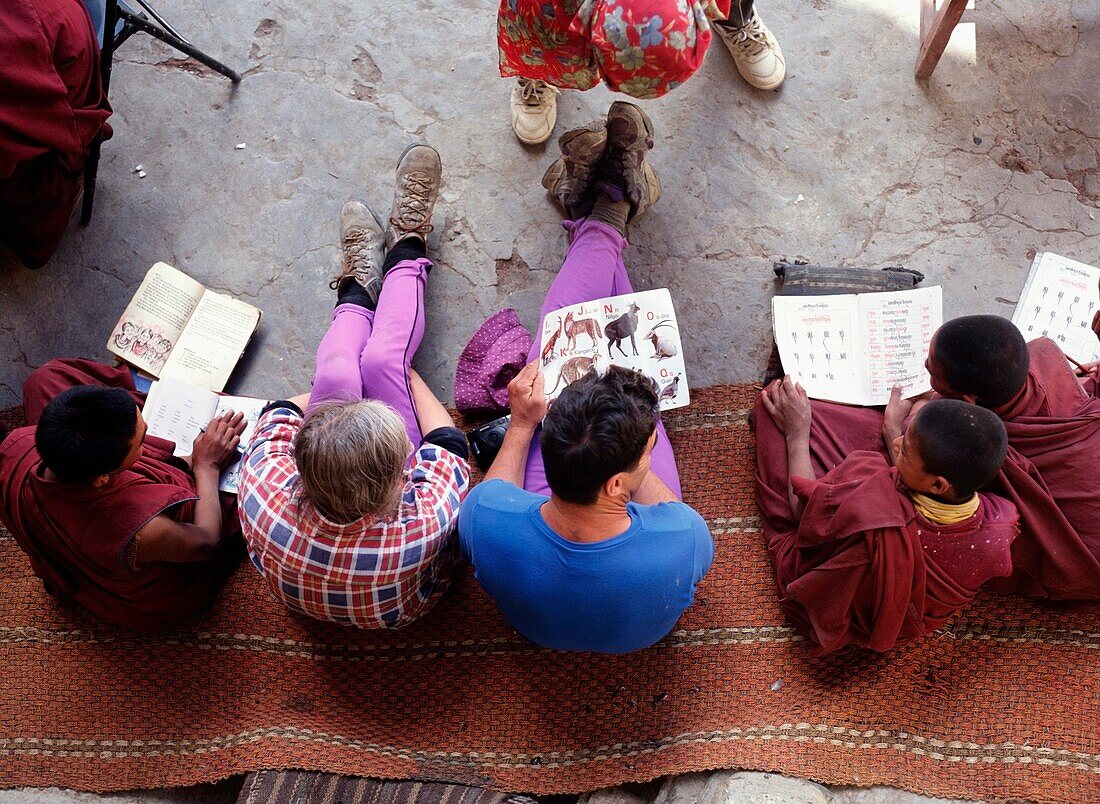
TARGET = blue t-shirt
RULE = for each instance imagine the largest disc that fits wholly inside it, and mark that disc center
(611, 596)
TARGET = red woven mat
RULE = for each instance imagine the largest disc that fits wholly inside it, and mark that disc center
(1002, 703)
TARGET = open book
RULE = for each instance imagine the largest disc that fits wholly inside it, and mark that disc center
(636, 330)
(174, 326)
(1058, 302)
(855, 348)
(177, 411)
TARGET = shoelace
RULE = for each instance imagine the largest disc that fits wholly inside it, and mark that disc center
(414, 205)
(358, 247)
(534, 92)
(751, 37)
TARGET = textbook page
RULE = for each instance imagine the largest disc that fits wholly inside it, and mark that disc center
(818, 344)
(854, 348)
(212, 341)
(1058, 302)
(251, 408)
(635, 330)
(895, 333)
(177, 411)
(152, 322)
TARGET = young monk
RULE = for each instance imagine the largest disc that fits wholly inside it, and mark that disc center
(871, 554)
(349, 505)
(108, 516)
(1053, 425)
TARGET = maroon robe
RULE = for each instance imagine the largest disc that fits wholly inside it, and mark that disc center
(861, 566)
(76, 535)
(1052, 473)
(52, 105)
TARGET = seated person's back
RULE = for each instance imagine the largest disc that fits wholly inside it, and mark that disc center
(108, 516)
(610, 560)
(1053, 428)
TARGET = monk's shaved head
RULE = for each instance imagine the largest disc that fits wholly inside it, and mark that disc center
(962, 443)
(980, 355)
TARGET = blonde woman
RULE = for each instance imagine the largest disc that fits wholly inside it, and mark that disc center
(349, 506)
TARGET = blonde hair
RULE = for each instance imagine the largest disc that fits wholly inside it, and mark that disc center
(351, 459)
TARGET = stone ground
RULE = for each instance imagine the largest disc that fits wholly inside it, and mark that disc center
(964, 177)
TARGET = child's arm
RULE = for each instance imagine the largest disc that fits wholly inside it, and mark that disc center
(789, 406)
(164, 539)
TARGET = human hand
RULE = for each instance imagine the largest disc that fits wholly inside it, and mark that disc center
(526, 397)
(789, 406)
(216, 446)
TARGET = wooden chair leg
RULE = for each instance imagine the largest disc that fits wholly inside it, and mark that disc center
(935, 32)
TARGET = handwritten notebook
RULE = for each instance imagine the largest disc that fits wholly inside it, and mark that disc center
(177, 411)
(855, 348)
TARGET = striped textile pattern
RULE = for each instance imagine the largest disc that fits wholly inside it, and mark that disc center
(1001, 703)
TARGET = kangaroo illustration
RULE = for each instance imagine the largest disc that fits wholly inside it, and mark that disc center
(670, 390)
(573, 369)
(664, 346)
(621, 328)
(548, 350)
(580, 326)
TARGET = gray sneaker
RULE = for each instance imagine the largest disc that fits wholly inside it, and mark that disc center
(419, 173)
(361, 237)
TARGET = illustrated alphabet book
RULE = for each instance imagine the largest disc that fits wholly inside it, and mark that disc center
(177, 411)
(635, 330)
(175, 327)
(1058, 302)
(855, 348)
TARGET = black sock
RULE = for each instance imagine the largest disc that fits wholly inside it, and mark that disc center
(411, 248)
(353, 293)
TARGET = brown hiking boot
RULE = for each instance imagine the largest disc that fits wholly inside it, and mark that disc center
(571, 180)
(629, 138)
(419, 173)
(361, 239)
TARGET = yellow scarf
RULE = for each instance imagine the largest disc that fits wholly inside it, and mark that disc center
(943, 513)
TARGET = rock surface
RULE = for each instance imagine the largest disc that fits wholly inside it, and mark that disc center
(963, 177)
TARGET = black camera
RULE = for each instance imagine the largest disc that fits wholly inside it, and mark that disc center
(485, 441)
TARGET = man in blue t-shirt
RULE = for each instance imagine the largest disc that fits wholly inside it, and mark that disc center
(610, 559)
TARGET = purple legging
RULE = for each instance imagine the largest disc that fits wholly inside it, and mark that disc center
(593, 269)
(366, 354)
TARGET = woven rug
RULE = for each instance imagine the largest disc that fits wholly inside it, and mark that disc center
(1001, 703)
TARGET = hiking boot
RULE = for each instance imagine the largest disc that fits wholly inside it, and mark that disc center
(629, 138)
(534, 110)
(361, 239)
(755, 51)
(571, 180)
(419, 173)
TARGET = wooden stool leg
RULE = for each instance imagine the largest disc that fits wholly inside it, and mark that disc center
(935, 31)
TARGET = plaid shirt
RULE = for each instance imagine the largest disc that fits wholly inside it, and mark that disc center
(380, 574)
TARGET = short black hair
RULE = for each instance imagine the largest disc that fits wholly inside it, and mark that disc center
(983, 355)
(598, 427)
(86, 432)
(965, 444)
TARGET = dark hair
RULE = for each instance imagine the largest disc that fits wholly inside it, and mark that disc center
(965, 444)
(86, 432)
(597, 428)
(983, 355)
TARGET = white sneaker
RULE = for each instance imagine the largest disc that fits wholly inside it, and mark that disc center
(755, 52)
(534, 110)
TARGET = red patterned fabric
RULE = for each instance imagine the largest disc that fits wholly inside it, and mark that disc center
(644, 48)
